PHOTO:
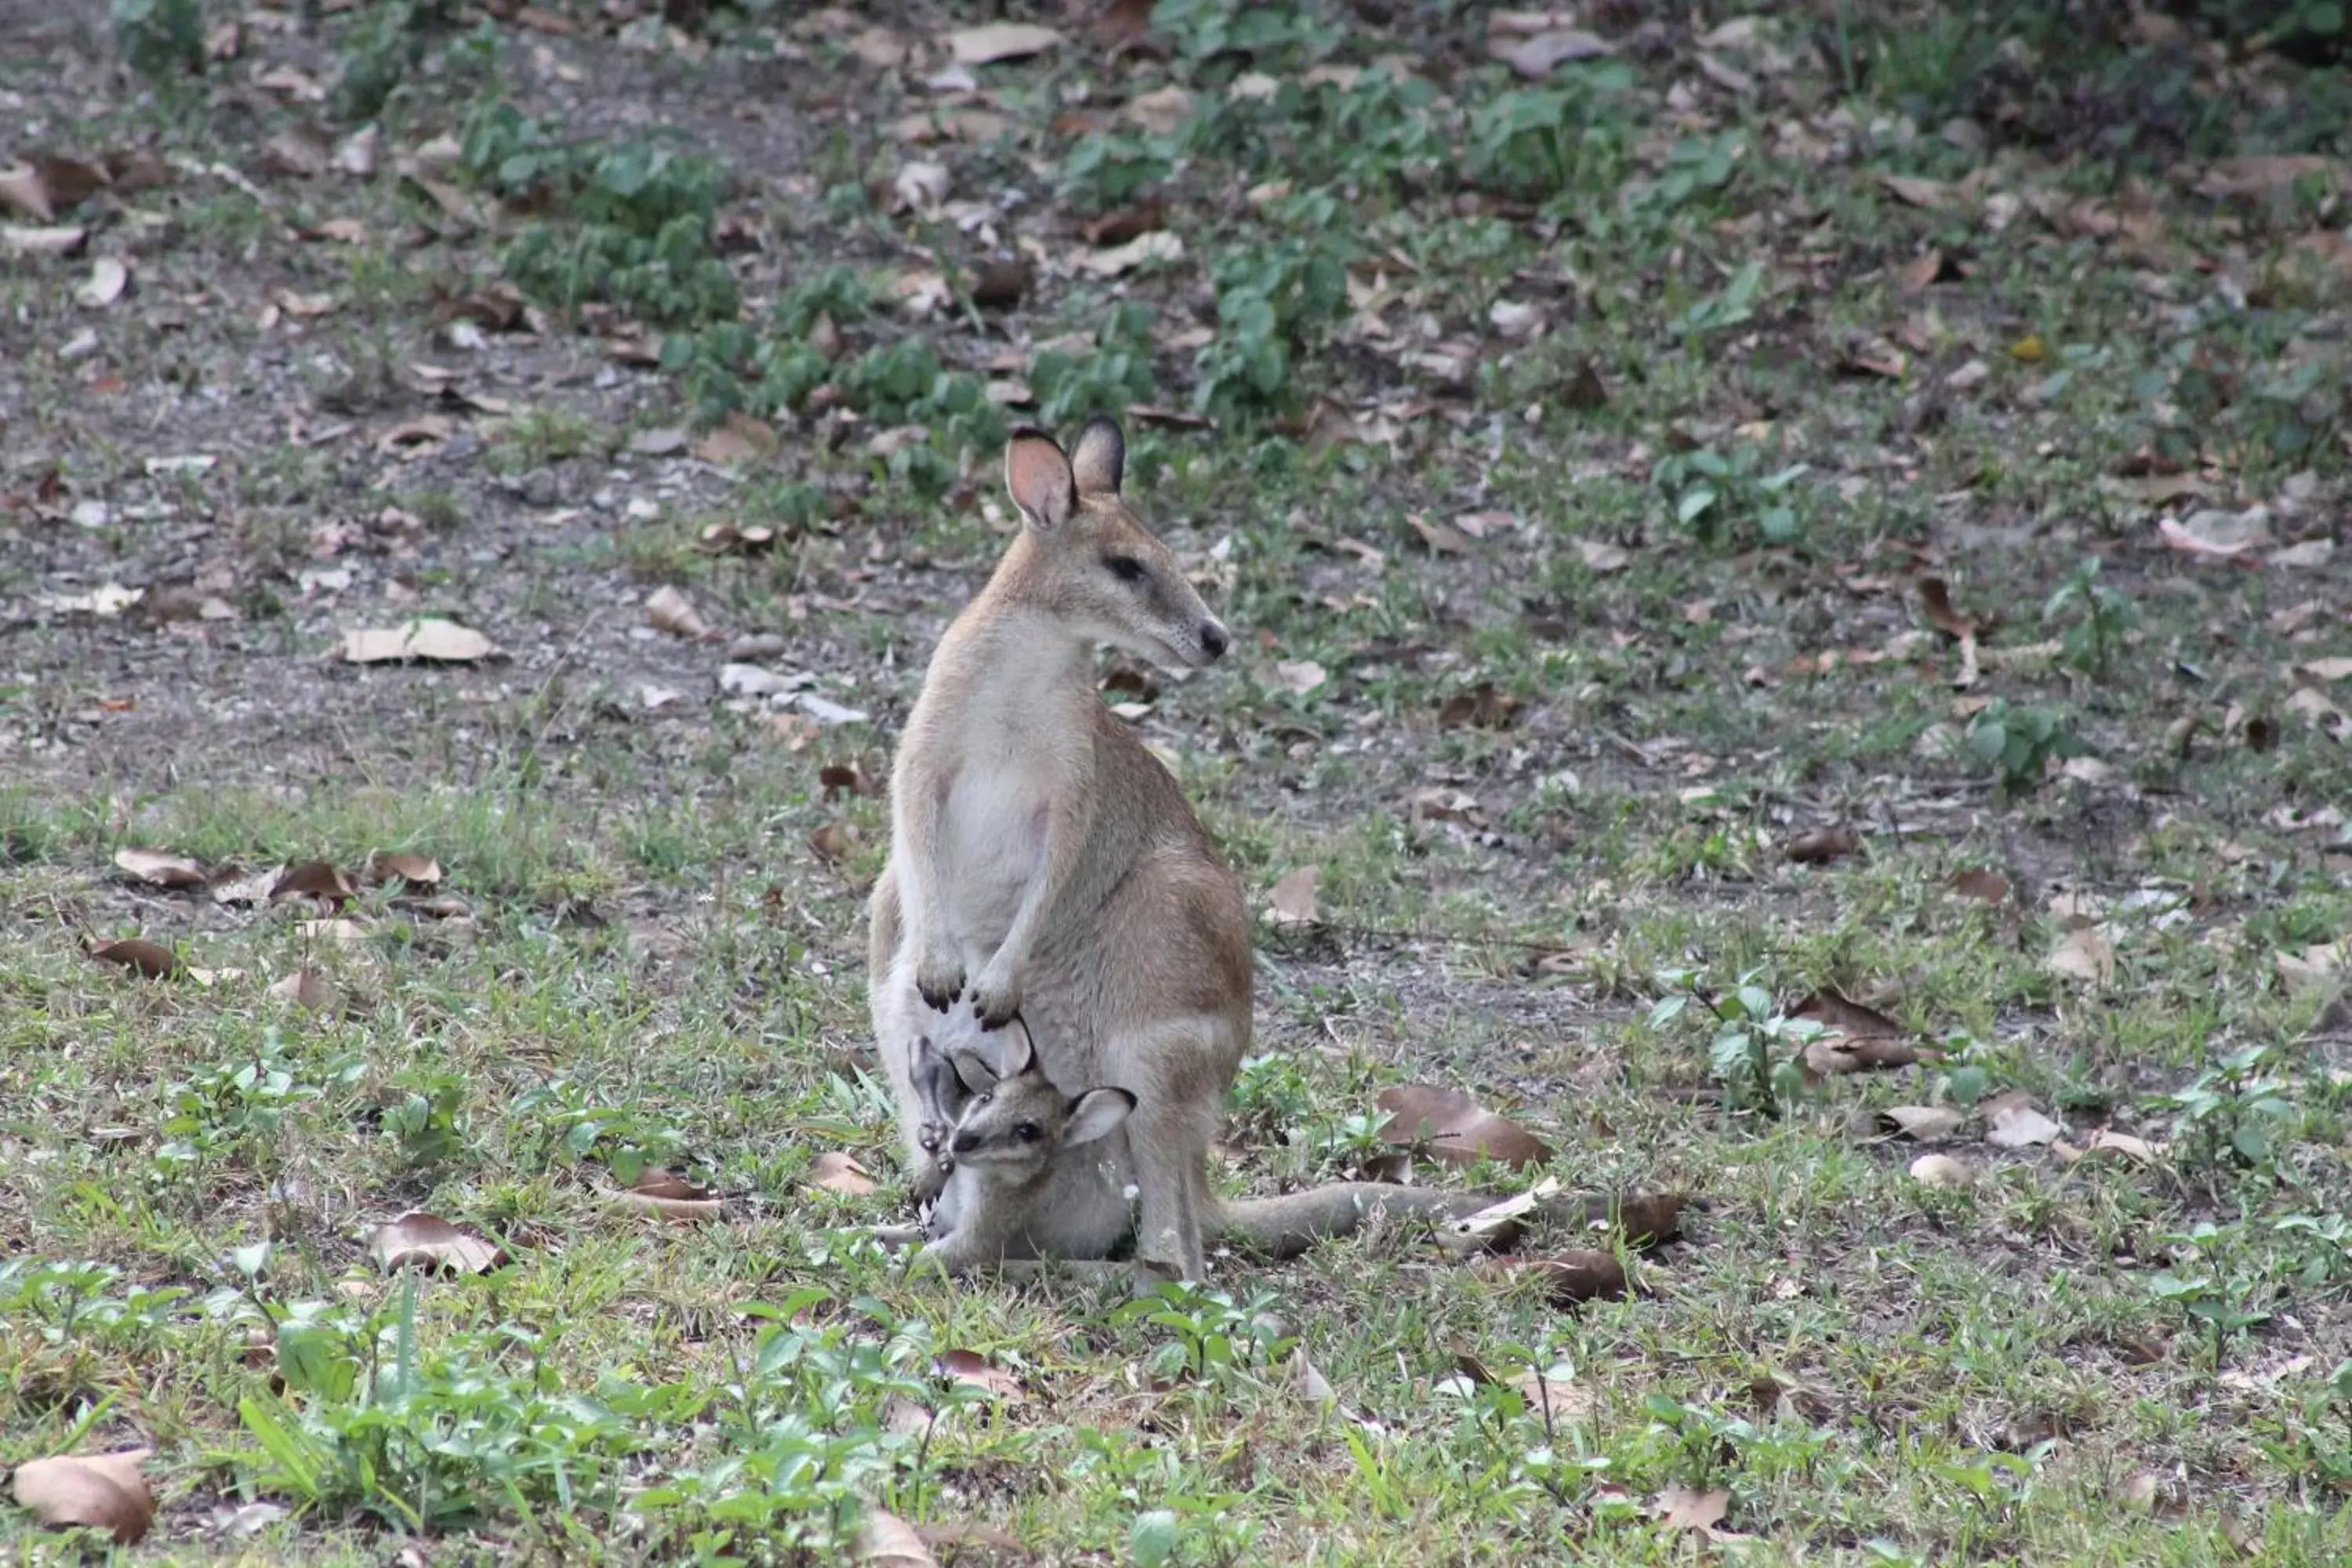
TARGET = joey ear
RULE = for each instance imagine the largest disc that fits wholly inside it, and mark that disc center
(1099, 458)
(1039, 476)
(1095, 1113)
(1017, 1051)
(975, 1074)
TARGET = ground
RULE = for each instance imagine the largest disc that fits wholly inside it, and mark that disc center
(1733, 525)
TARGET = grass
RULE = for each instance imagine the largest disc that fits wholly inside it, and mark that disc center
(1595, 665)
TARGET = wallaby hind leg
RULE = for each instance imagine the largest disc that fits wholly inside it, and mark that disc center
(1175, 1071)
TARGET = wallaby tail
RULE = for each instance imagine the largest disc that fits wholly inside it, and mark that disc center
(1288, 1225)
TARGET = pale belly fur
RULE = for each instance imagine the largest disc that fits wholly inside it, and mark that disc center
(994, 840)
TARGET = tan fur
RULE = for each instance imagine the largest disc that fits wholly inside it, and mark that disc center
(1062, 1195)
(1042, 862)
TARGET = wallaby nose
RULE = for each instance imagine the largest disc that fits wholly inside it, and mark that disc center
(965, 1143)
(1214, 640)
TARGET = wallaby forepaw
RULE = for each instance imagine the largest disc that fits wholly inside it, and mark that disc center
(995, 1000)
(929, 1182)
(939, 983)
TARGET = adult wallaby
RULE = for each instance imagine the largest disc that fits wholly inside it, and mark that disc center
(1036, 1172)
(1042, 862)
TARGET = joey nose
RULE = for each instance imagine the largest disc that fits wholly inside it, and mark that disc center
(965, 1143)
(1214, 640)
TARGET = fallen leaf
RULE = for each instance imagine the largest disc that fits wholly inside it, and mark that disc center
(1483, 707)
(162, 870)
(2215, 536)
(109, 276)
(659, 1192)
(886, 1540)
(1936, 599)
(1454, 1128)
(1683, 1508)
(1001, 41)
(1161, 111)
(102, 1491)
(1566, 1278)
(739, 438)
(420, 1240)
(1844, 1017)
(838, 1172)
(833, 841)
(972, 1368)
(1941, 1171)
(1538, 56)
(1923, 1123)
(1822, 845)
(2108, 1141)
(62, 239)
(2310, 553)
(1293, 904)
(426, 637)
(319, 880)
(1301, 677)
(2018, 1126)
(2328, 669)
(417, 870)
(2084, 954)
(301, 150)
(1986, 887)
(306, 988)
(342, 933)
(1158, 245)
(1442, 538)
(919, 186)
(151, 959)
(1933, 195)
(1600, 558)
(670, 611)
(1307, 1379)
(2257, 173)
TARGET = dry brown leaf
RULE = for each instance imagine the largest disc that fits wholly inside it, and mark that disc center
(1566, 1278)
(319, 880)
(2109, 1141)
(1001, 41)
(102, 1491)
(421, 1240)
(300, 150)
(1985, 886)
(306, 988)
(427, 638)
(1600, 557)
(659, 1192)
(342, 933)
(1293, 904)
(838, 1172)
(2216, 535)
(1942, 1170)
(976, 1370)
(1455, 1128)
(1537, 56)
(1860, 1038)
(1683, 1508)
(886, 1540)
(1933, 195)
(2084, 954)
(2019, 1126)
(415, 871)
(1936, 599)
(1483, 707)
(2328, 669)
(109, 276)
(739, 438)
(61, 239)
(1161, 111)
(162, 870)
(1160, 245)
(1822, 845)
(670, 611)
(1300, 676)
(1923, 1123)
(1553, 1396)
(137, 954)
(2257, 173)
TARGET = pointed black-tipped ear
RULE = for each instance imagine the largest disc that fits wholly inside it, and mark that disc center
(1039, 476)
(1100, 457)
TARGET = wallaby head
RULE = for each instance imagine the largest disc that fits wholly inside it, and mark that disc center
(1087, 559)
(1017, 1120)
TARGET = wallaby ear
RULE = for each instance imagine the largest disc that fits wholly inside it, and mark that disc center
(1039, 478)
(1095, 1113)
(1099, 458)
(1016, 1050)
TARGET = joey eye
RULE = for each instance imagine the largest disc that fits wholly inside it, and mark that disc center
(1125, 568)
(1026, 1133)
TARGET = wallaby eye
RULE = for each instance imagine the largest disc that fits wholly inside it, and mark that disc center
(985, 1099)
(1027, 1133)
(1125, 568)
